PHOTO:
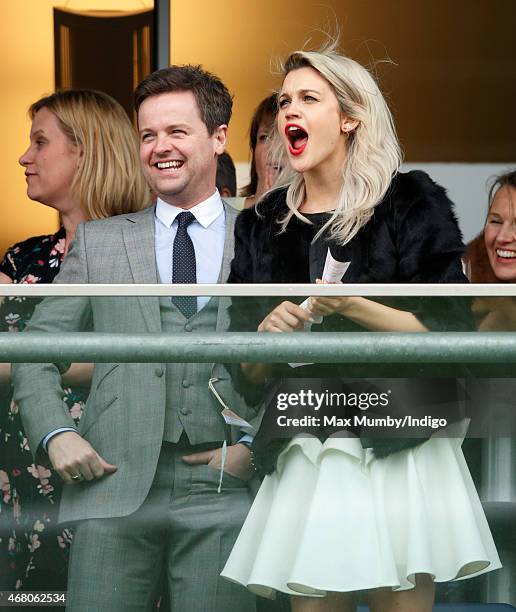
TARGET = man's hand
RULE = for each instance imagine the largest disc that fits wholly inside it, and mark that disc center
(286, 317)
(237, 464)
(75, 459)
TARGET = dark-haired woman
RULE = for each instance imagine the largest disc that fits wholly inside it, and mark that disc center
(263, 172)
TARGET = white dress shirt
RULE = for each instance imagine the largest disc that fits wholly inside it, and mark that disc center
(207, 233)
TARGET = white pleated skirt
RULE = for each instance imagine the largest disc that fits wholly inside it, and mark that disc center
(334, 518)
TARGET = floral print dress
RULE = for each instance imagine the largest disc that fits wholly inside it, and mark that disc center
(33, 548)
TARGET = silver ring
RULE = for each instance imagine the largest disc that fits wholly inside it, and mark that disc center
(76, 477)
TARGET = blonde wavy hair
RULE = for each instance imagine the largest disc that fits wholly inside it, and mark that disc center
(374, 153)
(109, 180)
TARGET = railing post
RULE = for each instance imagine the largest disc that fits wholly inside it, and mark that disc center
(498, 484)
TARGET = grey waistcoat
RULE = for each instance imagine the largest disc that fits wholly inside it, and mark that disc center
(190, 405)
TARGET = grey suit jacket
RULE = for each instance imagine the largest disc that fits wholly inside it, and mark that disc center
(124, 415)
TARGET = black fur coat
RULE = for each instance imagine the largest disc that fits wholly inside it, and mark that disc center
(413, 237)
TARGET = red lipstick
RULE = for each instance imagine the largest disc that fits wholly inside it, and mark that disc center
(297, 138)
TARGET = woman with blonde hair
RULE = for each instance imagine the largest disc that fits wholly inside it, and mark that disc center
(82, 161)
(338, 514)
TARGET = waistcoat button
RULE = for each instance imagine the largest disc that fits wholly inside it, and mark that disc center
(185, 384)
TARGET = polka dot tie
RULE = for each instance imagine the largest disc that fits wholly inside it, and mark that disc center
(183, 264)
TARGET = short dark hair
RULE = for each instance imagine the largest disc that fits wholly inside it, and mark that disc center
(265, 111)
(213, 98)
(226, 174)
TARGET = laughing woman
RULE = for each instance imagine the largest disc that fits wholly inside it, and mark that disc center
(336, 515)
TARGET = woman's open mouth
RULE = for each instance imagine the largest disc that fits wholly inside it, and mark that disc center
(297, 138)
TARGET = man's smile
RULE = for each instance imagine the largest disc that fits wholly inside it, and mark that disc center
(174, 164)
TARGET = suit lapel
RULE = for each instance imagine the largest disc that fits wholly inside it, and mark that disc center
(229, 250)
(140, 247)
(229, 242)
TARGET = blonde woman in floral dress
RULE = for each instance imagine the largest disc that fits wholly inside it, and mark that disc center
(82, 161)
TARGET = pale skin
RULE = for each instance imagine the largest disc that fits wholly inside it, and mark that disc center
(171, 130)
(265, 182)
(237, 461)
(49, 147)
(500, 234)
(307, 100)
(70, 454)
(78, 373)
(265, 172)
(419, 599)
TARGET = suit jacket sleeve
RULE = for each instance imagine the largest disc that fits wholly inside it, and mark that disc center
(37, 387)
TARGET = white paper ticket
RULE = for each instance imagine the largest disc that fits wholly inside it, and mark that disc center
(333, 272)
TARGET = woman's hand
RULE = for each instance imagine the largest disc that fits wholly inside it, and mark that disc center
(287, 317)
(330, 305)
(367, 313)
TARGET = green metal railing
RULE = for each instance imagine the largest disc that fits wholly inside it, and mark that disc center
(491, 352)
(339, 347)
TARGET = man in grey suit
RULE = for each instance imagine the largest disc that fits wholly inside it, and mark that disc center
(143, 467)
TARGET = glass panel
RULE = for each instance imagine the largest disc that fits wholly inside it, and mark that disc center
(357, 441)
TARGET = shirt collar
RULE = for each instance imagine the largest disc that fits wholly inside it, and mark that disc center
(205, 212)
